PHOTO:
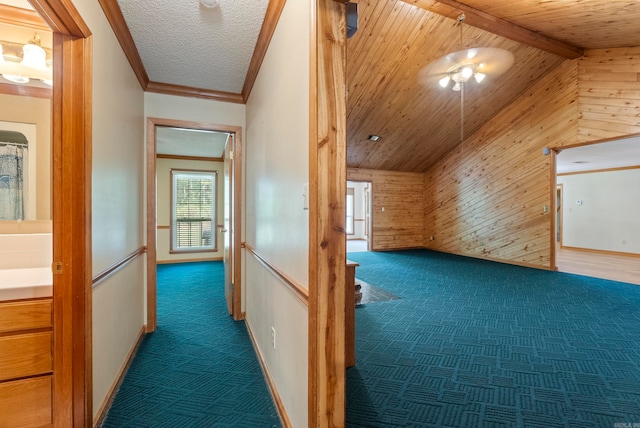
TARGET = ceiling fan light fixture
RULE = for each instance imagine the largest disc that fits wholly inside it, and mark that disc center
(444, 82)
(457, 87)
(479, 77)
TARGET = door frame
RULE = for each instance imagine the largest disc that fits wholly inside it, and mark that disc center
(367, 206)
(71, 129)
(236, 177)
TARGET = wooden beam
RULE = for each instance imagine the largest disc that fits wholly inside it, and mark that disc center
(479, 19)
(327, 244)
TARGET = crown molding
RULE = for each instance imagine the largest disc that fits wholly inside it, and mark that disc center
(271, 18)
(116, 19)
(188, 91)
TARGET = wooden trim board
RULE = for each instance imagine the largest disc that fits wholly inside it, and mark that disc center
(607, 252)
(298, 290)
(25, 91)
(282, 411)
(111, 270)
(191, 158)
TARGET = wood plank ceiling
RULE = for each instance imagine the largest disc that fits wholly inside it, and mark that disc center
(418, 120)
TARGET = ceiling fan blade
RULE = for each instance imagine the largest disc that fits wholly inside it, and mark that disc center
(490, 61)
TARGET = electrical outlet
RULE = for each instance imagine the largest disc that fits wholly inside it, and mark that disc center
(273, 337)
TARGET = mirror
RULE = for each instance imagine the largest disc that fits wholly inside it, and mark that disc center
(25, 141)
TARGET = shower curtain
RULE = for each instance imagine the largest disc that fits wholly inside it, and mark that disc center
(12, 173)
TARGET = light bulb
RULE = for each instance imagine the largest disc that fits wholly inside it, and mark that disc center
(444, 82)
(466, 73)
(457, 87)
(479, 77)
(34, 56)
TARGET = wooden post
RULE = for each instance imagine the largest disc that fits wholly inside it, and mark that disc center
(327, 187)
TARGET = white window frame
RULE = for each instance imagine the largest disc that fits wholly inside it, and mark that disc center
(176, 174)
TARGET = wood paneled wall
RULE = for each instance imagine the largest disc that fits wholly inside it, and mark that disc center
(400, 225)
(486, 198)
(609, 96)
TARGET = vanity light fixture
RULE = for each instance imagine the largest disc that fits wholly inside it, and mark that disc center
(21, 63)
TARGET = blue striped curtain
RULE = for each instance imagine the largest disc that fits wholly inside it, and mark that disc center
(12, 181)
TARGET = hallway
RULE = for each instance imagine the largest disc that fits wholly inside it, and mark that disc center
(199, 368)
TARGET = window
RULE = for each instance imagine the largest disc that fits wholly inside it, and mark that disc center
(350, 209)
(193, 211)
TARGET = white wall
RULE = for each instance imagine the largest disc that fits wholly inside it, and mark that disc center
(277, 226)
(609, 216)
(193, 109)
(163, 174)
(118, 200)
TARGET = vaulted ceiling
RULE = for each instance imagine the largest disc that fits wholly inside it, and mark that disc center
(417, 120)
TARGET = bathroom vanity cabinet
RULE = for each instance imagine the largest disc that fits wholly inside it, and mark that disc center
(26, 363)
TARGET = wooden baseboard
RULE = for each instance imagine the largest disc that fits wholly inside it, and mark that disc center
(606, 252)
(106, 404)
(282, 412)
(496, 260)
(167, 262)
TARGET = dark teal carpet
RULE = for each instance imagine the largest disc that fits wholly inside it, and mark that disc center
(199, 368)
(472, 343)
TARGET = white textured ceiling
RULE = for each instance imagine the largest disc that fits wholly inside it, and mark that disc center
(190, 142)
(612, 154)
(184, 43)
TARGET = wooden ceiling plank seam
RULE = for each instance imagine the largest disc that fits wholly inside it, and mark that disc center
(504, 28)
(368, 96)
(377, 57)
(369, 17)
(119, 26)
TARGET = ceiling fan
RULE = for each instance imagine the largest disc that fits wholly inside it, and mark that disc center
(457, 69)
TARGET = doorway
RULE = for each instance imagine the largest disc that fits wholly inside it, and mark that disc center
(358, 216)
(595, 204)
(229, 229)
